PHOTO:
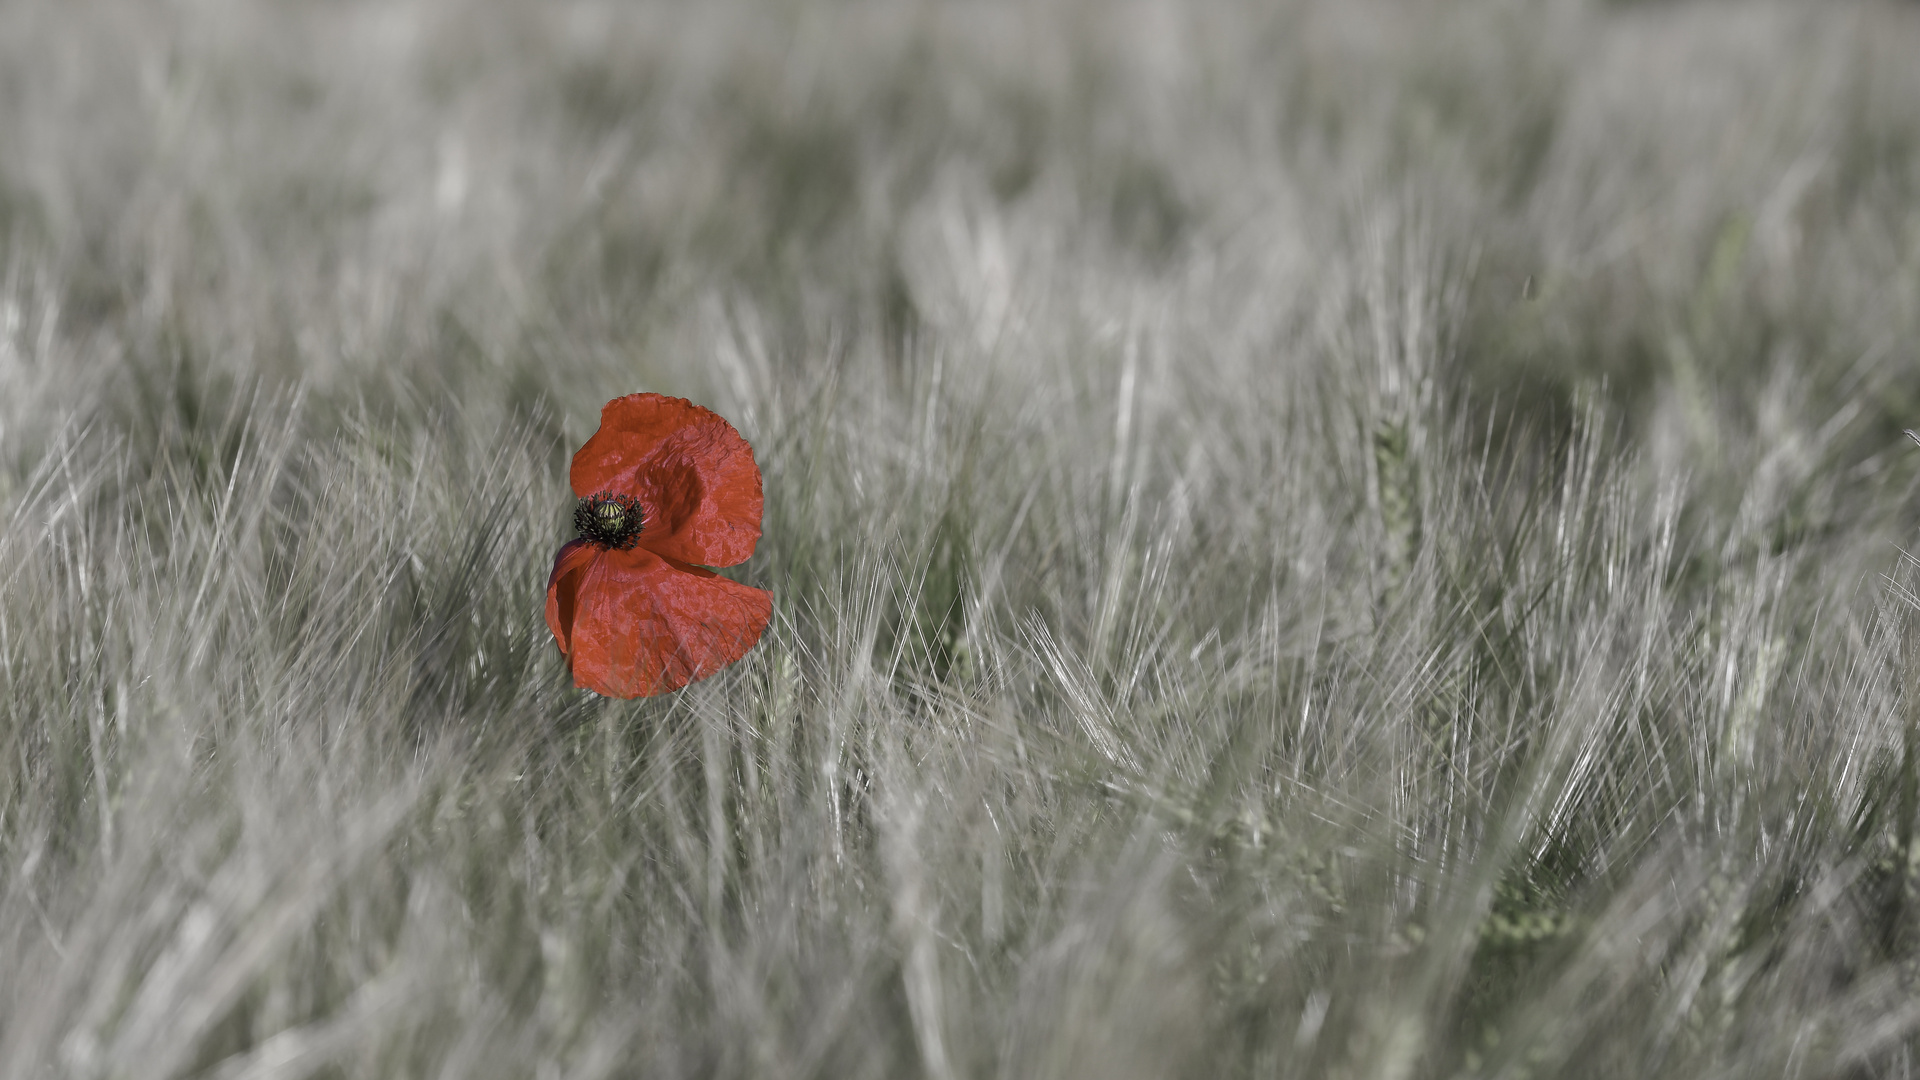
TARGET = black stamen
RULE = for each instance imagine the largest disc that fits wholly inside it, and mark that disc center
(606, 518)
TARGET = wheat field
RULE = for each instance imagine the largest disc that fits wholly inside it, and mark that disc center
(1320, 538)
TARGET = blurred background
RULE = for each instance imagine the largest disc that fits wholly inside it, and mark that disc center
(1679, 202)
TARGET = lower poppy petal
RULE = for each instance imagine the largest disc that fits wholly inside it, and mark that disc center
(563, 588)
(634, 624)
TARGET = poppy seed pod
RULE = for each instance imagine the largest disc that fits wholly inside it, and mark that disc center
(614, 520)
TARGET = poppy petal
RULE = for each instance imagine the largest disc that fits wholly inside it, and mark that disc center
(563, 588)
(692, 472)
(633, 624)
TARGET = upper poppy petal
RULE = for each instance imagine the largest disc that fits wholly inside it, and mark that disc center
(692, 472)
(633, 624)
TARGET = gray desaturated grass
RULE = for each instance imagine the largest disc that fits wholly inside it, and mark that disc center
(1320, 539)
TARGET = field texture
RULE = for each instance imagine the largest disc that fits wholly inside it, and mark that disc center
(1329, 538)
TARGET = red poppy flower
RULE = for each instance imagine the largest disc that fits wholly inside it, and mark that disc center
(666, 489)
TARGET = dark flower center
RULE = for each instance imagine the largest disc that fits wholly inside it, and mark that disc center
(606, 518)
